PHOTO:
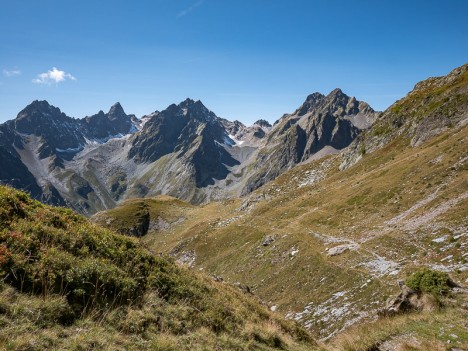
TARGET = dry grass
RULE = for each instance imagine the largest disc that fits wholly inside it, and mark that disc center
(355, 205)
(440, 330)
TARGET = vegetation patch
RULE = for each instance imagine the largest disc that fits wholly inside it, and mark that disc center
(429, 281)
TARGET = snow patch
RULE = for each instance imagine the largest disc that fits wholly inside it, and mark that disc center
(70, 150)
(134, 128)
(233, 141)
(229, 141)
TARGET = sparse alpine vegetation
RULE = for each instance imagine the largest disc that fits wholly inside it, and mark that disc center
(327, 246)
(433, 106)
(70, 285)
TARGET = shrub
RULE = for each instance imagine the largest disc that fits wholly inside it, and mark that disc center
(429, 281)
(48, 251)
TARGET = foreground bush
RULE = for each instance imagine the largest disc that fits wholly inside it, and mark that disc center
(53, 251)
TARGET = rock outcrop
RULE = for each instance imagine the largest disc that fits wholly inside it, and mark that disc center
(433, 106)
(332, 121)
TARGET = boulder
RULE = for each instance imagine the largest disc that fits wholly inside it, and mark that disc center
(268, 240)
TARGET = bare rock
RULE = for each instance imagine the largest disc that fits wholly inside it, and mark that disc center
(141, 226)
(338, 250)
(245, 288)
(403, 302)
(268, 240)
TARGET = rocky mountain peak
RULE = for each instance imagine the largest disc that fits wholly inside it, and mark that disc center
(39, 105)
(339, 104)
(187, 102)
(338, 99)
(337, 92)
(263, 123)
(335, 99)
(104, 125)
(192, 104)
(56, 131)
(40, 118)
(194, 109)
(328, 123)
(39, 109)
(315, 97)
(116, 111)
(312, 101)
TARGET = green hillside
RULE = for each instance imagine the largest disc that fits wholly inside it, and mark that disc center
(326, 245)
(70, 285)
(398, 209)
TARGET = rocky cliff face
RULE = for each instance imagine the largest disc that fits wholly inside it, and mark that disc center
(13, 172)
(105, 125)
(329, 122)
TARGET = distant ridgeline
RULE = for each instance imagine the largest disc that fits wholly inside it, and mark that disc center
(185, 151)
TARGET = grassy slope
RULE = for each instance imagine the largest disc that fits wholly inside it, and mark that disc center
(434, 331)
(364, 205)
(162, 210)
(358, 203)
(398, 208)
(70, 285)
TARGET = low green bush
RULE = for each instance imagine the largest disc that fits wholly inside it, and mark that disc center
(429, 281)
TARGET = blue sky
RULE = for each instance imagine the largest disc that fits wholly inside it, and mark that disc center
(245, 59)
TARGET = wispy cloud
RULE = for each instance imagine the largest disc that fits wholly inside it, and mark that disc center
(190, 9)
(11, 73)
(53, 76)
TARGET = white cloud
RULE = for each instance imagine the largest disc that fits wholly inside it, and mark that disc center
(53, 76)
(190, 9)
(11, 73)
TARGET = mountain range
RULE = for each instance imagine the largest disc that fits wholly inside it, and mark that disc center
(185, 151)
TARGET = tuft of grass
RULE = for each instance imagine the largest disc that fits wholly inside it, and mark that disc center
(415, 331)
